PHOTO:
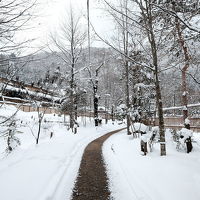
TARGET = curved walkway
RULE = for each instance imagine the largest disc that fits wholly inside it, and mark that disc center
(92, 181)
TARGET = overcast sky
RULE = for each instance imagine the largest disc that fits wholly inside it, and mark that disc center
(51, 14)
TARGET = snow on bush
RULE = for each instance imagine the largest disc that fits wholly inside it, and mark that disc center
(140, 127)
(186, 133)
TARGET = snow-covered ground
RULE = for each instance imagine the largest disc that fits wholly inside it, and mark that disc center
(152, 177)
(49, 169)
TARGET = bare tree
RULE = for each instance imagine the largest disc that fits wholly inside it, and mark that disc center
(93, 76)
(125, 40)
(182, 14)
(94, 79)
(183, 7)
(146, 20)
(69, 40)
(121, 20)
(14, 17)
(176, 7)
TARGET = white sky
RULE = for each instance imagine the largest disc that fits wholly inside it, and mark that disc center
(52, 12)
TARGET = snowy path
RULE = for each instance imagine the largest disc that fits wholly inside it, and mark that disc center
(46, 171)
(92, 180)
(151, 177)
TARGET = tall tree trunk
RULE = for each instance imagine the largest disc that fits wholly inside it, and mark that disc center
(127, 99)
(71, 115)
(158, 98)
(126, 64)
(160, 116)
(184, 94)
(96, 104)
(151, 37)
(75, 113)
(112, 114)
(186, 66)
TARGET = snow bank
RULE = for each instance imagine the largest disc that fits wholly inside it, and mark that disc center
(152, 177)
(48, 170)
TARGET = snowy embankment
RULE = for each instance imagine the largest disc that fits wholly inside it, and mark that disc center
(47, 170)
(152, 177)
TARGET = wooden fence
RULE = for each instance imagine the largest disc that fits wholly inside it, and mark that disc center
(177, 123)
(30, 108)
(48, 110)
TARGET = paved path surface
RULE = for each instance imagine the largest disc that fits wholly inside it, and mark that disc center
(92, 181)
